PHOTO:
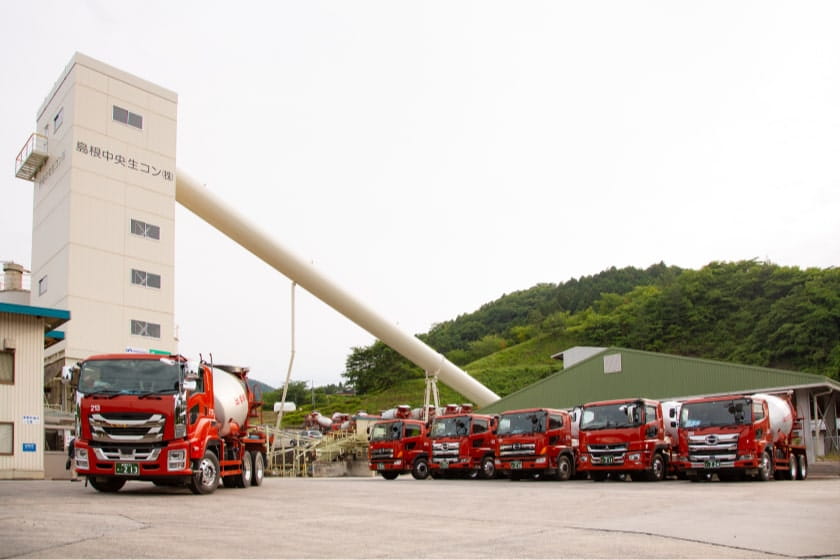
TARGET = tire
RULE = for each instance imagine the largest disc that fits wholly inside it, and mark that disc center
(420, 470)
(487, 470)
(243, 479)
(657, 469)
(389, 475)
(803, 468)
(258, 473)
(765, 469)
(793, 467)
(564, 468)
(107, 484)
(205, 478)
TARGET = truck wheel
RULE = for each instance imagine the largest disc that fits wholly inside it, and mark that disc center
(803, 468)
(657, 469)
(259, 468)
(389, 475)
(487, 470)
(106, 483)
(765, 469)
(205, 477)
(243, 479)
(564, 468)
(793, 470)
(420, 470)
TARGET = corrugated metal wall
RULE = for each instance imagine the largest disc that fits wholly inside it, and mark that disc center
(22, 402)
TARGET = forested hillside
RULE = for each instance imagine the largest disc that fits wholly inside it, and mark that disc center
(746, 312)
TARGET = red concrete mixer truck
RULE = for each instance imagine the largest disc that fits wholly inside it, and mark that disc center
(739, 436)
(165, 420)
(463, 443)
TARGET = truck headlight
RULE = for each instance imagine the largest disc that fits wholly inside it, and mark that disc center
(584, 458)
(81, 455)
(180, 431)
(634, 457)
(540, 460)
(746, 457)
(176, 459)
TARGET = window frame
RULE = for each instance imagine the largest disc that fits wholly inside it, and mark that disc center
(144, 332)
(11, 451)
(147, 229)
(143, 277)
(117, 114)
(11, 353)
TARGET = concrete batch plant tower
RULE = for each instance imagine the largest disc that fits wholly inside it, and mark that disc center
(102, 164)
(105, 185)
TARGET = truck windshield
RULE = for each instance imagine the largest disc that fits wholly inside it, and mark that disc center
(451, 427)
(387, 431)
(522, 423)
(716, 413)
(602, 417)
(135, 377)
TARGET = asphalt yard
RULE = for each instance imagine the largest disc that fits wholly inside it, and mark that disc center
(373, 518)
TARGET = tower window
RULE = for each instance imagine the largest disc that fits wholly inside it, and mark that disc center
(42, 286)
(143, 278)
(127, 117)
(142, 328)
(58, 119)
(143, 229)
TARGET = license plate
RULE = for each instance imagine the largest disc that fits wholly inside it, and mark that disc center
(380, 466)
(516, 464)
(711, 464)
(444, 465)
(607, 460)
(127, 469)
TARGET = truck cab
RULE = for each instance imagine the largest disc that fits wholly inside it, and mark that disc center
(535, 442)
(463, 444)
(623, 437)
(399, 446)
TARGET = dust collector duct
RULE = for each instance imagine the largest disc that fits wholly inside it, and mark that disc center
(207, 206)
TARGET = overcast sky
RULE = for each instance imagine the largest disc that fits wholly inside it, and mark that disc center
(431, 156)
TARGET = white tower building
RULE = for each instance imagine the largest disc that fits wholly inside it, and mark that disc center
(102, 163)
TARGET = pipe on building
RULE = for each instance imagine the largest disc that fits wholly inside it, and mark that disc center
(207, 206)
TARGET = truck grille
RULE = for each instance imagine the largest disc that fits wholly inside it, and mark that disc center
(446, 450)
(517, 449)
(722, 447)
(382, 453)
(135, 427)
(607, 454)
(127, 453)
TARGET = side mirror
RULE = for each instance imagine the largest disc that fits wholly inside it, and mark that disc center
(192, 370)
(66, 374)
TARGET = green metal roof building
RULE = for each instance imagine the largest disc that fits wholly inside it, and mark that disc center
(614, 373)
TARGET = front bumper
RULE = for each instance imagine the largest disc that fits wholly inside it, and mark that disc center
(137, 462)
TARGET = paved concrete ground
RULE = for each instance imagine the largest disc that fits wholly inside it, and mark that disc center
(375, 518)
